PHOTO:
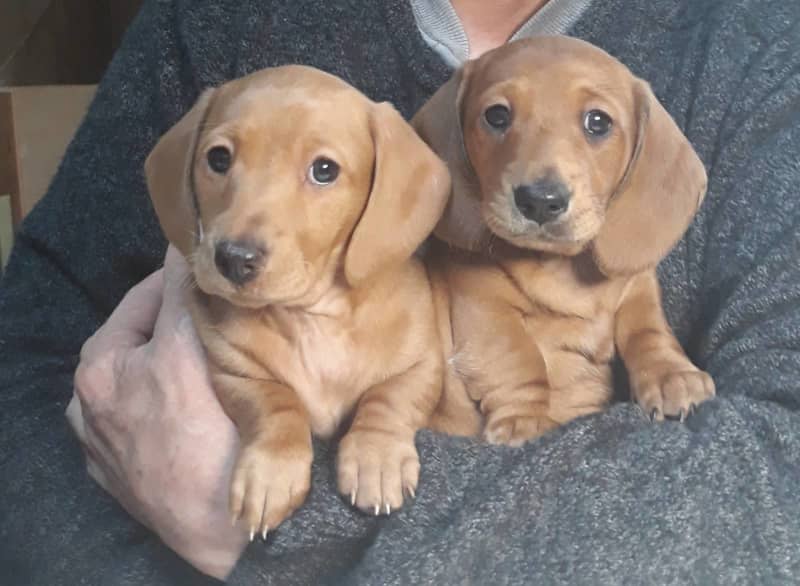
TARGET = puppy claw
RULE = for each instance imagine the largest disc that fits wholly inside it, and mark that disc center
(675, 393)
(411, 492)
(375, 469)
(264, 533)
(252, 535)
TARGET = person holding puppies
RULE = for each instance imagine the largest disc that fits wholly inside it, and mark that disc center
(609, 498)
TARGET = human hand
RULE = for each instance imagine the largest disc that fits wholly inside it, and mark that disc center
(154, 434)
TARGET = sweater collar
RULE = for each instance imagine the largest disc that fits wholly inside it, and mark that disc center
(440, 27)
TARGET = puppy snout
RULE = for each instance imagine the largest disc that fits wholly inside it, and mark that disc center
(543, 200)
(239, 261)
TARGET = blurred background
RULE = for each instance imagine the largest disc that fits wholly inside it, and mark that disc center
(52, 55)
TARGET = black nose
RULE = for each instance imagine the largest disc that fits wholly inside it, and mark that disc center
(543, 200)
(238, 261)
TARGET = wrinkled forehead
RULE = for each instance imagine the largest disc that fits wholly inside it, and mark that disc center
(286, 108)
(553, 70)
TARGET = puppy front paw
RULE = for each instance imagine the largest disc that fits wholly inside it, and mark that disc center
(376, 469)
(673, 394)
(269, 483)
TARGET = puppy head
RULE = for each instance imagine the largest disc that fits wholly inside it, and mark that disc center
(274, 184)
(558, 147)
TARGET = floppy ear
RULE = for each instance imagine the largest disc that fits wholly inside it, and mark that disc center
(660, 192)
(168, 170)
(410, 185)
(439, 123)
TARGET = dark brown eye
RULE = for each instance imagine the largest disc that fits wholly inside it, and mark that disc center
(498, 117)
(597, 123)
(323, 171)
(219, 159)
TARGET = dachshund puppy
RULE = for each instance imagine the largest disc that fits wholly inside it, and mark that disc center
(299, 203)
(570, 183)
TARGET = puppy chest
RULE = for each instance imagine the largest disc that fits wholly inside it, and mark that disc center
(328, 371)
(569, 311)
(573, 348)
(542, 313)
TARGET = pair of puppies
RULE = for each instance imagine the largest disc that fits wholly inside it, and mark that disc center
(299, 204)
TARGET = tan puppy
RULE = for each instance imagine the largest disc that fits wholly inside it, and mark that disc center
(570, 183)
(299, 203)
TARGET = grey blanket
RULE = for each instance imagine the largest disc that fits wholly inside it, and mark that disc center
(610, 499)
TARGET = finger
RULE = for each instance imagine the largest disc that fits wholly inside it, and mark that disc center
(138, 310)
(96, 445)
(98, 459)
(177, 280)
(74, 416)
(93, 456)
(76, 421)
(131, 323)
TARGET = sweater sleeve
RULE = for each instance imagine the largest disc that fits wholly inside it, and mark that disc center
(751, 262)
(91, 237)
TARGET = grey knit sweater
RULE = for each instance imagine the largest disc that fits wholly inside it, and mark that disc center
(609, 499)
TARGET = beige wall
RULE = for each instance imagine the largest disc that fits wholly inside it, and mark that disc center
(52, 43)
